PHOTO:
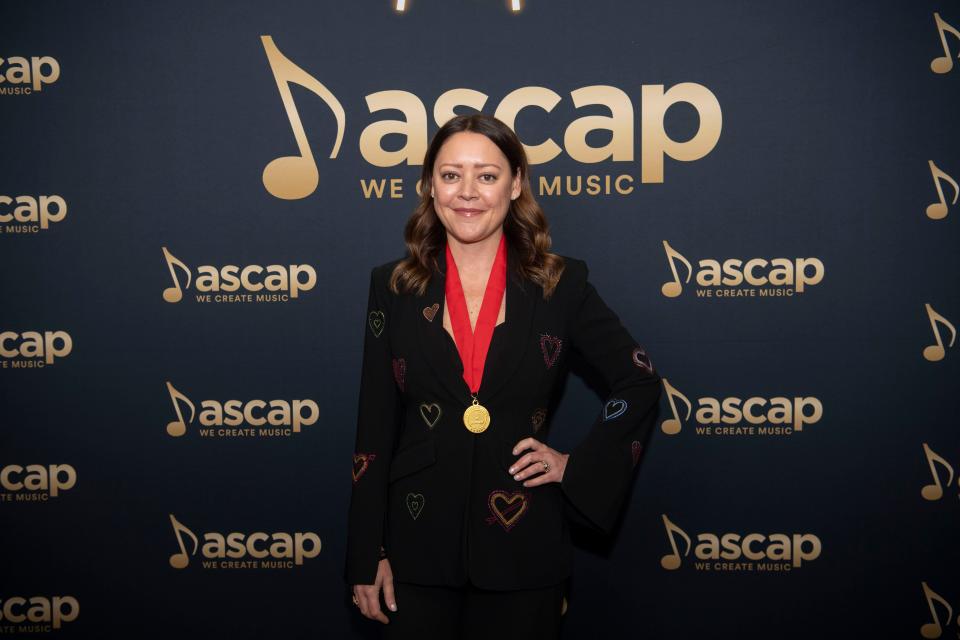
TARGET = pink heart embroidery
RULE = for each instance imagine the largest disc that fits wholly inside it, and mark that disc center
(641, 359)
(635, 449)
(550, 346)
(399, 371)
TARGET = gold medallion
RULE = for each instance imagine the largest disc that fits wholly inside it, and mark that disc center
(476, 418)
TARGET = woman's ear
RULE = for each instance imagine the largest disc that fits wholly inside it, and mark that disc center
(515, 191)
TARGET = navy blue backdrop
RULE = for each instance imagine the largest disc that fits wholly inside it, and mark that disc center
(813, 137)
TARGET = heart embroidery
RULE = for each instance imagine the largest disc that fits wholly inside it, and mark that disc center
(506, 507)
(431, 311)
(641, 359)
(360, 462)
(537, 419)
(377, 320)
(427, 410)
(550, 345)
(399, 371)
(635, 449)
(614, 408)
(415, 504)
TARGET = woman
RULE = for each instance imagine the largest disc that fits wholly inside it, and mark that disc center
(458, 516)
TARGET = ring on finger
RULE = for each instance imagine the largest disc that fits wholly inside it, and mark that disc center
(546, 465)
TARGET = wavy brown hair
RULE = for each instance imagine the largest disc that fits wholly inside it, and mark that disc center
(525, 226)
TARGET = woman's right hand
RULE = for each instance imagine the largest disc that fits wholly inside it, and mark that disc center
(368, 595)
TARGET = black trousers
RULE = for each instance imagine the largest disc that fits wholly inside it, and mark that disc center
(471, 613)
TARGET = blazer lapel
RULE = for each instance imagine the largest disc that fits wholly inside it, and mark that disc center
(522, 300)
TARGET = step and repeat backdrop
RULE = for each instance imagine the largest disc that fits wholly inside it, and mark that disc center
(193, 194)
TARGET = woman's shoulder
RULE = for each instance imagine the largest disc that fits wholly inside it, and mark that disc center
(381, 272)
(574, 271)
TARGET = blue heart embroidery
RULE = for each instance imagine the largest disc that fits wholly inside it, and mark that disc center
(614, 408)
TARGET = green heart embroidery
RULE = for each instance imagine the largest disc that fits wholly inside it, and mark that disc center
(377, 321)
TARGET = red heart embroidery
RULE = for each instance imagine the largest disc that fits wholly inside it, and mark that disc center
(360, 462)
(399, 371)
(550, 345)
(635, 449)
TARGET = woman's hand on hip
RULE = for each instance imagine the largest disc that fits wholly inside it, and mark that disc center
(532, 464)
(368, 595)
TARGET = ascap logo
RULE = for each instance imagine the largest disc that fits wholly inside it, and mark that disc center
(245, 551)
(31, 214)
(22, 76)
(754, 416)
(283, 282)
(235, 418)
(773, 278)
(934, 490)
(934, 628)
(736, 552)
(33, 349)
(39, 614)
(297, 176)
(35, 482)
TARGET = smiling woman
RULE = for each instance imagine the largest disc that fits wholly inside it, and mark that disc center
(460, 509)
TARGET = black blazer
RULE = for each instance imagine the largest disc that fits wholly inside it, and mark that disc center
(438, 497)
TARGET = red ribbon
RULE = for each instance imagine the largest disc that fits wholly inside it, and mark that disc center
(473, 345)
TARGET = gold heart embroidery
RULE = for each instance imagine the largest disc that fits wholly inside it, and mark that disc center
(415, 504)
(377, 320)
(514, 505)
(360, 462)
(426, 410)
(431, 311)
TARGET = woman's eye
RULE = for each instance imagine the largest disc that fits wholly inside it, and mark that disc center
(492, 177)
(449, 175)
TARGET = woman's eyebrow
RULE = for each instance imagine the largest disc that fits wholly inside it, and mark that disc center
(476, 164)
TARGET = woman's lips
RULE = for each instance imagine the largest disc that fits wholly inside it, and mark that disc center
(468, 212)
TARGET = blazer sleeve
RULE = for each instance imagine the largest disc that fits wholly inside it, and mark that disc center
(377, 419)
(599, 471)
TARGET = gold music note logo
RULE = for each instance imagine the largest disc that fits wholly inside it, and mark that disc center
(181, 560)
(671, 561)
(944, 63)
(671, 426)
(938, 210)
(936, 352)
(934, 491)
(178, 427)
(673, 289)
(295, 177)
(174, 293)
(934, 629)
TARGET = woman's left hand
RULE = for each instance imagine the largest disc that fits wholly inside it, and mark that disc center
(531, 464)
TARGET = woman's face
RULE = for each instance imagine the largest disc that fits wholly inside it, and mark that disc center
(472, 186)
